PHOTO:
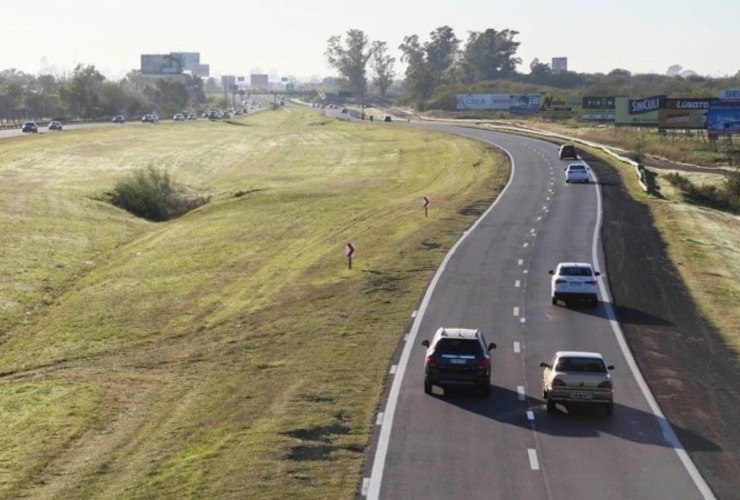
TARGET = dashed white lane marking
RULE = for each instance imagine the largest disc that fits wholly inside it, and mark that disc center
(526, 245)
(520, 392)
(517, 284)
(394, 369)
(516, 311)
(533, 462)
(530, 415)
(520, 262)
(379, 420)
(523, 320)
(517, 347)
(539, 217)
(532, 230)
(365, 486)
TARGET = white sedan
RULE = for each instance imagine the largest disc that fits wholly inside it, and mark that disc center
(576, 172)
(574, 281)
(577, 377)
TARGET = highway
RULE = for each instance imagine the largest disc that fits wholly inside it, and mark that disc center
(458, 445)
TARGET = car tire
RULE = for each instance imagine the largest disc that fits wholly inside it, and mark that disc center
(554, 301)
(551, 406)
(427, 388)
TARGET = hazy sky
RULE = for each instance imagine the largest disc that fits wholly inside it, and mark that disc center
(289, 37)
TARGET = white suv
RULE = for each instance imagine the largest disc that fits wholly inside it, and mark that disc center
(574, 281)
(576, 172)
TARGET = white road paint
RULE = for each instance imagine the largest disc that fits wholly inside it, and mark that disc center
(517, 284)
(520, 394)
(517, 347)
(533, 462)
(394, 369)
(530, 415)
(516, 311)
(379, 420)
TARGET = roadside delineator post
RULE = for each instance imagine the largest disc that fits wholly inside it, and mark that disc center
(349, 251)
(425, 203)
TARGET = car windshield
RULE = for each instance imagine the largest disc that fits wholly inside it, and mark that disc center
(590, 365)
(458, 346)
(575, 271)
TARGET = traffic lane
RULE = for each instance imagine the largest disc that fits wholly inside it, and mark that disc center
(631, 440)
(477, 289)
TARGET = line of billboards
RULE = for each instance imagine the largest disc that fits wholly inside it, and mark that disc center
(719, 115)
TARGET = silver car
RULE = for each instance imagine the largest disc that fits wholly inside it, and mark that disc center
(577, 377)
(576, 172)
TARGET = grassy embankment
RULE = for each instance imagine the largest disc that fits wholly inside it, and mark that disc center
(229, 353)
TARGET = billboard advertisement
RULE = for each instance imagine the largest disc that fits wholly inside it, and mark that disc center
(730, 95)
(723, 117)
(643, 111)
(516, 103)
(684, 113)
(160, 64)
(598, 108)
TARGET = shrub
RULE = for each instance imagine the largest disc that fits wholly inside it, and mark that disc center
(151, 194)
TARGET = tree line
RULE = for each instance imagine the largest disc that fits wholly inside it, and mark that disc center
(87, 94)
(439, 68)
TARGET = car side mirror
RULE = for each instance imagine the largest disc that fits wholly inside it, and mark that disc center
(544, 365)
(551, 271)
(610, 367)
(425, 343)
(491, 346)
(597, 273)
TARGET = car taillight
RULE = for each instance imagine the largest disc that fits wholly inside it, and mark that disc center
(484, 364)
(591, 282)
(605, 385)
(558, 383)
(431, 361)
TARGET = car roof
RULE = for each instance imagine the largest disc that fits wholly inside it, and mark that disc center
(578, 165)
(458, 333)
(574, 264)
(578, 354)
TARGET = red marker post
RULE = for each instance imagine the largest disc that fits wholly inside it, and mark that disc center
(349, 251)
(425, 203)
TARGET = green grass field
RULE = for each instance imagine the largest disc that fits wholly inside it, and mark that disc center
(229, 353)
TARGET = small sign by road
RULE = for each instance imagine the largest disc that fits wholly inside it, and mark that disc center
(349, 251)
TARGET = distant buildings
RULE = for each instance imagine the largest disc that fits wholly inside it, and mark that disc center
(173, 64)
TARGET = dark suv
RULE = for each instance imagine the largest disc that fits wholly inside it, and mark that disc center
(458, 357)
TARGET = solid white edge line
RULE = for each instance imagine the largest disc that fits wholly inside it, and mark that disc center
(533, 462)
(668, 434)
(376, 475)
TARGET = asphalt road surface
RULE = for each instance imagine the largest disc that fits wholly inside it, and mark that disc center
(458, 445)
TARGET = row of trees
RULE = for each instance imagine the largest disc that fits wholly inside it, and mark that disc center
(87, 94)
(443, 65)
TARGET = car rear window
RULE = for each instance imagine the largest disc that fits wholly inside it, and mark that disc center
(458, 346)
(589, 365)
(577, 167)
(575, 271)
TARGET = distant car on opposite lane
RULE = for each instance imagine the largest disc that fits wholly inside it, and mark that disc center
(179, 117)
(30, 126)
(577, 377)
(55, 125)
(119, 119)
(576, 172)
